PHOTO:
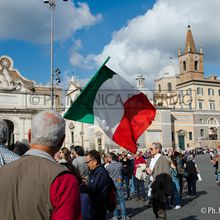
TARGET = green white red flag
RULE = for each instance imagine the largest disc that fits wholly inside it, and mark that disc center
(114, 105)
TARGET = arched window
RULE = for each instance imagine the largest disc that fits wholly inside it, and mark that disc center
(184, 65)
(169, 86)
(159, 88)
(212, 121)
(196, 65)
(11, 133)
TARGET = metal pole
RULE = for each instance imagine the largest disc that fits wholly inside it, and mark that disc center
(72, 137)
(82, 134)
(52, 4)
(82, 141)
(52, 9)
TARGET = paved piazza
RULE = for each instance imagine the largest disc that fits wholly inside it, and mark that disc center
(205, 207)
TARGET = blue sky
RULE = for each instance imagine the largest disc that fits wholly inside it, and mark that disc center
(139, 35)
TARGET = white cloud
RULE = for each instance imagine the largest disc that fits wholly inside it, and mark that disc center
(77, 60)
(29, 20)
(77, 44)
(145, 44)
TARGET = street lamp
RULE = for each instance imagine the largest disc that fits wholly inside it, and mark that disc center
(52, 5)
(99, 135)
(71, 127)
(58, 78)
(81, 134)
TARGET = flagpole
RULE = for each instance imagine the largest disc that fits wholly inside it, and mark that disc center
(107, 59)
(103, 64)
(52, 9)
(52, 6)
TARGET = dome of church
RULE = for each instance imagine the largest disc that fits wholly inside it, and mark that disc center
(170, 70)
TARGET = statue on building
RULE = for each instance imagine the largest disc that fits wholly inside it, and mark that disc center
(6, 81)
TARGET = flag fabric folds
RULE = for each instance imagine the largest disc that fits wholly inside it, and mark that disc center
(113, 104)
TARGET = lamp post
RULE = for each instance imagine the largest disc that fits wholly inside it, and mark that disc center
(81, 134)
(71, 127)
(52, 5)
(99, 135)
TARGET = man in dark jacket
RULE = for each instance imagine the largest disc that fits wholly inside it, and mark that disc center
(191, 176)
(127, 172)
(98, 185)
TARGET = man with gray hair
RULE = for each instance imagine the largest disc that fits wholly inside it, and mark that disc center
(35, 186)
(161, 186)
(6, 156)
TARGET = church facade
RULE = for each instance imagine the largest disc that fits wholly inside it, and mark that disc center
(194, 99)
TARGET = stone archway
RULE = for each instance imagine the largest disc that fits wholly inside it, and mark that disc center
(213, 128)
(11, 133)
(213, 133)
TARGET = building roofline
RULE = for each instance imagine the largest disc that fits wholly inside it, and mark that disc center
(199, 81)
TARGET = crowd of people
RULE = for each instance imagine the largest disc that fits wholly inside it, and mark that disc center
(48, 181)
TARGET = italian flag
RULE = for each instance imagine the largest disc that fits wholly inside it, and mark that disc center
(113, 104)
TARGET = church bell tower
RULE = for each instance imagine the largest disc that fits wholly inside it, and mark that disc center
(191, 61)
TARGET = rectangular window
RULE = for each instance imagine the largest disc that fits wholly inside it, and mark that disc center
(190, 135)
(189, 91)
(212, 105)
(200, 104)
(219, 92)
(201, 132)
(199, 91)
(210, 91)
